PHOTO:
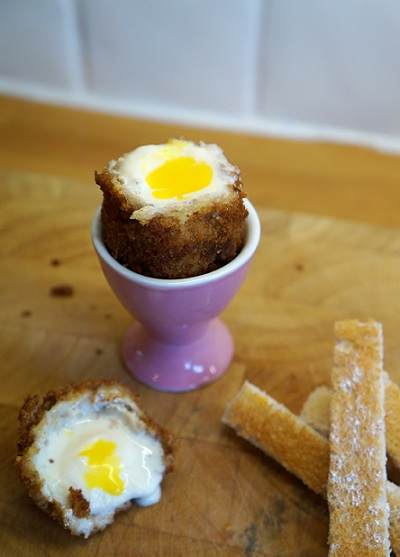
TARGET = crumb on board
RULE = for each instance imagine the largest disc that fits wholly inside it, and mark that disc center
(62, 291)
(26, 313)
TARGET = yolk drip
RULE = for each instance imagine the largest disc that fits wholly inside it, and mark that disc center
(179, 176)
(104, 466)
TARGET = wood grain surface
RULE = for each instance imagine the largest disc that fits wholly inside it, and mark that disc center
(330, 249)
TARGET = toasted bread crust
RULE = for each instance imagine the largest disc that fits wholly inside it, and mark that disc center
(249, 415)
(358, 510)
(271, 427)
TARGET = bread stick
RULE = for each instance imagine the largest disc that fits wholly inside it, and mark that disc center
(392, 416)
(358, 513)
(282, 435)
(273, 428)
(316, 413)
(316, 410)
(393, 498)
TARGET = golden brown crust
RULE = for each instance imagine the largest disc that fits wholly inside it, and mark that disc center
(34, 410)
(270, 426)
(79, 505)
(357, 502)
(174, 244)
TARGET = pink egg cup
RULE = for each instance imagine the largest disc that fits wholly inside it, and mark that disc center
(177, 342)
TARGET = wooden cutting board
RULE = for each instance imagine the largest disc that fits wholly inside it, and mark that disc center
(60, 323)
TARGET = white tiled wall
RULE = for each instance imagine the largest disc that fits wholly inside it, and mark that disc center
(332, 64)
(312, 68)
(38, 44)
(180, 53)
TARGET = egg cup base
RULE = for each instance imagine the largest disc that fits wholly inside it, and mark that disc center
(178, 367)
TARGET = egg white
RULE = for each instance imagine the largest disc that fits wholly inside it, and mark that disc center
(66, 433)
(132, 169)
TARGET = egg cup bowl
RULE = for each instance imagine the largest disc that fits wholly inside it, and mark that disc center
(177, 342)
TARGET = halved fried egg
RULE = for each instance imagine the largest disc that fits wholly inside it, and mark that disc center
(90, 454)
(161, 175)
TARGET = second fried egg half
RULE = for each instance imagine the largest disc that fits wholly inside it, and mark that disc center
(103, 456)
(87, 451)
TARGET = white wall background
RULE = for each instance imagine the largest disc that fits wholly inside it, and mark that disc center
(318, 69)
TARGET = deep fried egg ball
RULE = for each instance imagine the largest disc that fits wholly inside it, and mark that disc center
(87, 451)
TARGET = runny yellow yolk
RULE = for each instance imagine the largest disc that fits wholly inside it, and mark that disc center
(179, 176)
(104, 467)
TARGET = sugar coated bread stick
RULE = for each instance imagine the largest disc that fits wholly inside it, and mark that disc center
(358, 510)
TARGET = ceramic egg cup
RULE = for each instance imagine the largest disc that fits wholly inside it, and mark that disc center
(177, 342)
